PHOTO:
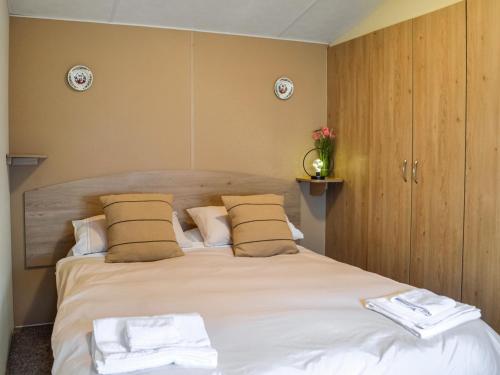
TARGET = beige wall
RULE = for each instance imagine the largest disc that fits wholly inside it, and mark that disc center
(5, 251)
(391, 12)
(237, 114)
(161, 99)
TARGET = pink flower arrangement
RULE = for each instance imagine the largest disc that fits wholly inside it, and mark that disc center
(323, 133)
(324, 139)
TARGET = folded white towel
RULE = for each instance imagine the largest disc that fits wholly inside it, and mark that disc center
(199, 357)
(111, 354)
(151, 333)
(423, 301)
(419, 324)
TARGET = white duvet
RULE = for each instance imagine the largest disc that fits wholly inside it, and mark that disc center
(283, 315)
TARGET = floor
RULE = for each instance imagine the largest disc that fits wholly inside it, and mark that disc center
(30, 351)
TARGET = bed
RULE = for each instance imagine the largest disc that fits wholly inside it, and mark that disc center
(288, 314)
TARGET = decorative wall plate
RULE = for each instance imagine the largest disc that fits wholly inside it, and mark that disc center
(283, 88)
(80, 78)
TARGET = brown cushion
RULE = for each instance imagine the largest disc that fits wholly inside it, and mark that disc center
(259, 225)
(140, 227)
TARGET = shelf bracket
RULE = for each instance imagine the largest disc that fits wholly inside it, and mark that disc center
(24, 159)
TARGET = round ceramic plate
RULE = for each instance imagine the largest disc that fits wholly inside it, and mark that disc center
(80, 78)
(283, 88)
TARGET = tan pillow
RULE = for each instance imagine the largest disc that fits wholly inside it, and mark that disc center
(259, 225)
(139, 227)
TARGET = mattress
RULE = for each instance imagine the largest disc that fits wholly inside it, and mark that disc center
(288, 314)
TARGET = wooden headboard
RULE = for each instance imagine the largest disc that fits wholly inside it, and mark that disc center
(48, 211)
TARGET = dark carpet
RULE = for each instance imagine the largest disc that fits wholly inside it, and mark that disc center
(30, 351)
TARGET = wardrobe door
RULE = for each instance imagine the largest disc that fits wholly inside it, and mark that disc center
(348, 114)
(481, 281)
(439, 55)
(389, 218)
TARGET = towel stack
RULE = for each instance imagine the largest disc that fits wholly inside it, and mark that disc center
(136, 343)
(422, 312)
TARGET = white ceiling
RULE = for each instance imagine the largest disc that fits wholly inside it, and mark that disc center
(321, 21)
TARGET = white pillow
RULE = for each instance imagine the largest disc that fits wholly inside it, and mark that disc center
(91, 235)
(194, 235)
(196, 239)
(296, 233)
(182, 240)
(213, 223)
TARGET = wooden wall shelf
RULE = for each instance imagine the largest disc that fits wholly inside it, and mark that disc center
(318, 187)
(25, 159)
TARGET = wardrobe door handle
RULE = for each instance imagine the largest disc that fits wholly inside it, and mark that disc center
(414, 171)
(405, 164)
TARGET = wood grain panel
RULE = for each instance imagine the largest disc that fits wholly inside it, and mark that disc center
(49, 210)
(389, 219)
(481, 278)
(439, 42)
(349, 115)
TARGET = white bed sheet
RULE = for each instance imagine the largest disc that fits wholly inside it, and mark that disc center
(283, 315)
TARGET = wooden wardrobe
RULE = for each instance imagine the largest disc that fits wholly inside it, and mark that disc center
(409, 109)
(481, 272)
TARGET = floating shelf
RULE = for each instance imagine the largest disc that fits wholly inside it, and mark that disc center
(25, 159)
(318, 187)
